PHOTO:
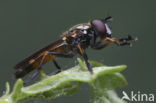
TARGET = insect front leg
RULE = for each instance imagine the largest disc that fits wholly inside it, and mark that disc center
(99, 45)
(124, 41)
(119, 42)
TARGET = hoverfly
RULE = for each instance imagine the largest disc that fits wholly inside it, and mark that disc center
(72, 42)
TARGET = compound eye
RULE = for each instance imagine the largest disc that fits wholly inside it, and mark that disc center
(99, 26)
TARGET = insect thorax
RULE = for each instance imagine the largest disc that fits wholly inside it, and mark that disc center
(78, 34)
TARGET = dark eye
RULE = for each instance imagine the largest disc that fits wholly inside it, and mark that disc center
(99, 26)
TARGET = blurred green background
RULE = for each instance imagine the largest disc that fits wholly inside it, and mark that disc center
(27, 25)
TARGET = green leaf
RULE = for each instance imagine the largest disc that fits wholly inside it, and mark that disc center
(102, 89)
(102, 83)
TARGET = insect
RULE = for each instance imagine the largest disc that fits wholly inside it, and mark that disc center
(96, 34)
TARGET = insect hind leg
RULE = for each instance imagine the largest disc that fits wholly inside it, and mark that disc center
(62, 54)
(34, 75)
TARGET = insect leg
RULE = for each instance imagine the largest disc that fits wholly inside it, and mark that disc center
(36, 73)
(62, 54)
(84, 55)
(124, 41)
(99, 44)
(57, 66)
(120, 42)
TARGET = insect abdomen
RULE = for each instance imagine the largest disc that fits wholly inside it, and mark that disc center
(30, 66)
(34, 61)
